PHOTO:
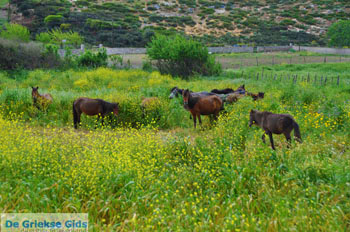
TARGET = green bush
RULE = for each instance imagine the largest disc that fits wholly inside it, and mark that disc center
(15, 32)
(56, 36)
(93, 60)
(15, 55)
(339, 34)
(182, 57)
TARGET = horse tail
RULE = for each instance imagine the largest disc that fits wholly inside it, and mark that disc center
(297, 131)
(75, 116)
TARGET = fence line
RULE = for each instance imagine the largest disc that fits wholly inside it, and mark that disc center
(294, 78)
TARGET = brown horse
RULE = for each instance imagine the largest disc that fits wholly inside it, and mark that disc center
(92, 107)
(40, 100)
(275, 124)
(205, 105)
(256, 96)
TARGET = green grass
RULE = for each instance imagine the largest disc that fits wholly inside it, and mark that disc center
(158, 173)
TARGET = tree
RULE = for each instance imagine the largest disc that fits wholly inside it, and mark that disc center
(15, 32)
(339, 34)
(182, 57)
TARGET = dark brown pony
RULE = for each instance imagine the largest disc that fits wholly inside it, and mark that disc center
(256, 96)
(42, 100)
(275, 124)
(240, 90)
(205, 105)
(92, 107)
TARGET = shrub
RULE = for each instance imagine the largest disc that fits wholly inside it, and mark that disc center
(90, 59)
(15, 32)
(182, 57)
(15, 55)
(56, 36)
(339, 34)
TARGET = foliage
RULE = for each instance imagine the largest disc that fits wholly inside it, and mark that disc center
(15, 32)
(16, 56)
(93, 60)
(56, 36)
(339, 33)
(183, 57)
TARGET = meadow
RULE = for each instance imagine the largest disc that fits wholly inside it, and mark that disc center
(156, 172)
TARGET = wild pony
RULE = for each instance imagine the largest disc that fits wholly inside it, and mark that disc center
(92, 107)
(275, 124)
(42, 100)
(239, 90)
(256, 96)
(207, 105)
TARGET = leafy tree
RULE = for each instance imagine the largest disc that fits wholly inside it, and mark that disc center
(15, 32)
(339, 33)
(183, 57)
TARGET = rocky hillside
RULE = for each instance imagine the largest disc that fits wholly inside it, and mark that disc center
(133, 22)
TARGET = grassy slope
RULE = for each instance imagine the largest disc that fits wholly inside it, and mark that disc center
(218, 178)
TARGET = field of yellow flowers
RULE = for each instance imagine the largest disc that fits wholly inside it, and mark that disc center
(153, 171)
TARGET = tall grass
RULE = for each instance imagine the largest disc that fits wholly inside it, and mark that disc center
(157, 172)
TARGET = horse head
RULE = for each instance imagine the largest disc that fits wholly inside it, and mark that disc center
(186, 96)
(35, 93)
(115, 108)
(252, 118)
(174, 92)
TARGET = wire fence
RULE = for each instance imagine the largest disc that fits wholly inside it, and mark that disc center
(294, 78)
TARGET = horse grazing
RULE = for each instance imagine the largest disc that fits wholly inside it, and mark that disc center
(207, 105)
(92, 107)
(275, 124)
(256, 96)
(40, 100)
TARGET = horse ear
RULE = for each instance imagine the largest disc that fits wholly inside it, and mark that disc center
(243, 86)
(37, 87)
(252, 111)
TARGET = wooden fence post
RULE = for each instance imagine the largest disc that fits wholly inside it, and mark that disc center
(321, 79)
(338, 80)
(325, 81)
(308, 77)
(257, 61)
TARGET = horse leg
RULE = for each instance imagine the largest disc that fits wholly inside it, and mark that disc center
(263, 138)
(271, 140)
(200, 120)
(194, 120)
(287, 135)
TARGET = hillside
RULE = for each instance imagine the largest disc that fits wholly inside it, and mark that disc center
(133, 22)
